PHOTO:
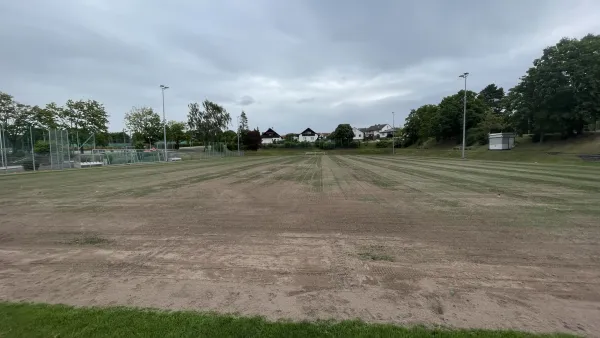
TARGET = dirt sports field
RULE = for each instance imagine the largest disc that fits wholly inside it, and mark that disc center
(383, 239)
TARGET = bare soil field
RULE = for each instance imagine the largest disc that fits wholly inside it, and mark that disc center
(403, 240)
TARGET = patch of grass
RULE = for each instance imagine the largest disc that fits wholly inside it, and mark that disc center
(375, 253)
(89, 240)
(41, 320)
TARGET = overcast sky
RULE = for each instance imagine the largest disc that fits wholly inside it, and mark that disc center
(290, 64)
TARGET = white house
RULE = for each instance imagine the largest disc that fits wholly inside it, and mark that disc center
(270, 136)
(378, 131)
(308, 135)
(359, 135)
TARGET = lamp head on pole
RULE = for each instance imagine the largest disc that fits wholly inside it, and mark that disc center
(464, 75)
(163, 87)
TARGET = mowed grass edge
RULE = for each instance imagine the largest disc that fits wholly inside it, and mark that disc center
(44, 320)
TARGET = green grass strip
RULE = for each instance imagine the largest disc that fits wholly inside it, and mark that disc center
(42, 320)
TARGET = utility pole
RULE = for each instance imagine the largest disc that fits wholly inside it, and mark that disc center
(464, 75)
(163, 87)
(393, 134)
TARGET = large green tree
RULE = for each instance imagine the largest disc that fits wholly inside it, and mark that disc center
(145, 123)
(176, 132)
(343, 133)
(560, 93)
(492, 95)
(208, 121)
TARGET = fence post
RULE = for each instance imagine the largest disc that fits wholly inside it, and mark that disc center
(50, 146)
(4, 165)
(69, 149)
(32, 149)
(57, 150)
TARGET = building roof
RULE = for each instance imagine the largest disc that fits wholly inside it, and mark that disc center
(308, 130)
(270, 133)
(375, 127)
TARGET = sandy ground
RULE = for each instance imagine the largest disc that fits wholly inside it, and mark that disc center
(401, 240)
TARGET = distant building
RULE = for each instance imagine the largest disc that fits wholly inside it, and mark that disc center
(270, 136)
(501, 141)
(308, 135)
(359, 135)
(377, 131)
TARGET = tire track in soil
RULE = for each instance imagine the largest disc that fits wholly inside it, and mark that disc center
(549, 180)
(464, 184)
(425, 186)
(103, 176)
(261, 177)
(180, 182)
(331, 184)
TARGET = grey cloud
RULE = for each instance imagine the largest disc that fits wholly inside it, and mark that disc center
(305, 100)
(246, 100)
(312, 63)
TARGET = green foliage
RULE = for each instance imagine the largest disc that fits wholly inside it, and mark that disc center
(28, 164)
(243, 121)
(492, 96)
(383, 144)
(343, 132)
(118, 137)
(40, 320)
(144, 123)
(176, 132)
(41, 147)
(208, 121)
(560, 93)
(252, 140)
(139, 145)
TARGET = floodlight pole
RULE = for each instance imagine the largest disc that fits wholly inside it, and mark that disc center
(163, 87)
(4, 164)
(464, 75)
(393, 134)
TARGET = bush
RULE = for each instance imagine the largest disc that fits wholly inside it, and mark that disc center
(28, 165)
(41, 147)
(383, 144)
(18, 153)
(476, 136)
(326, 145)
(139, 145)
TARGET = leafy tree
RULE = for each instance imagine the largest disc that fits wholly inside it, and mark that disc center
(208, 121)
(176, 132)
(561, 92)
(344, 133)
(492, 96)
(449, 117)
(243, 121)
(7, 109)
(42, 118)
(145, 123)
(252, 139)
(84, 118)
(118, 137)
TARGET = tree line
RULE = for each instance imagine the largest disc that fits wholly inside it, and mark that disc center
(86, 121)
(559, 94)
(82, 118)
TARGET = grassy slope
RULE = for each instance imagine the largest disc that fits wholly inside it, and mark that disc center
(567, 151)
(38, 320)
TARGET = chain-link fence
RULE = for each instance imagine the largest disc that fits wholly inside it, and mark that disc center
(55, 149)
